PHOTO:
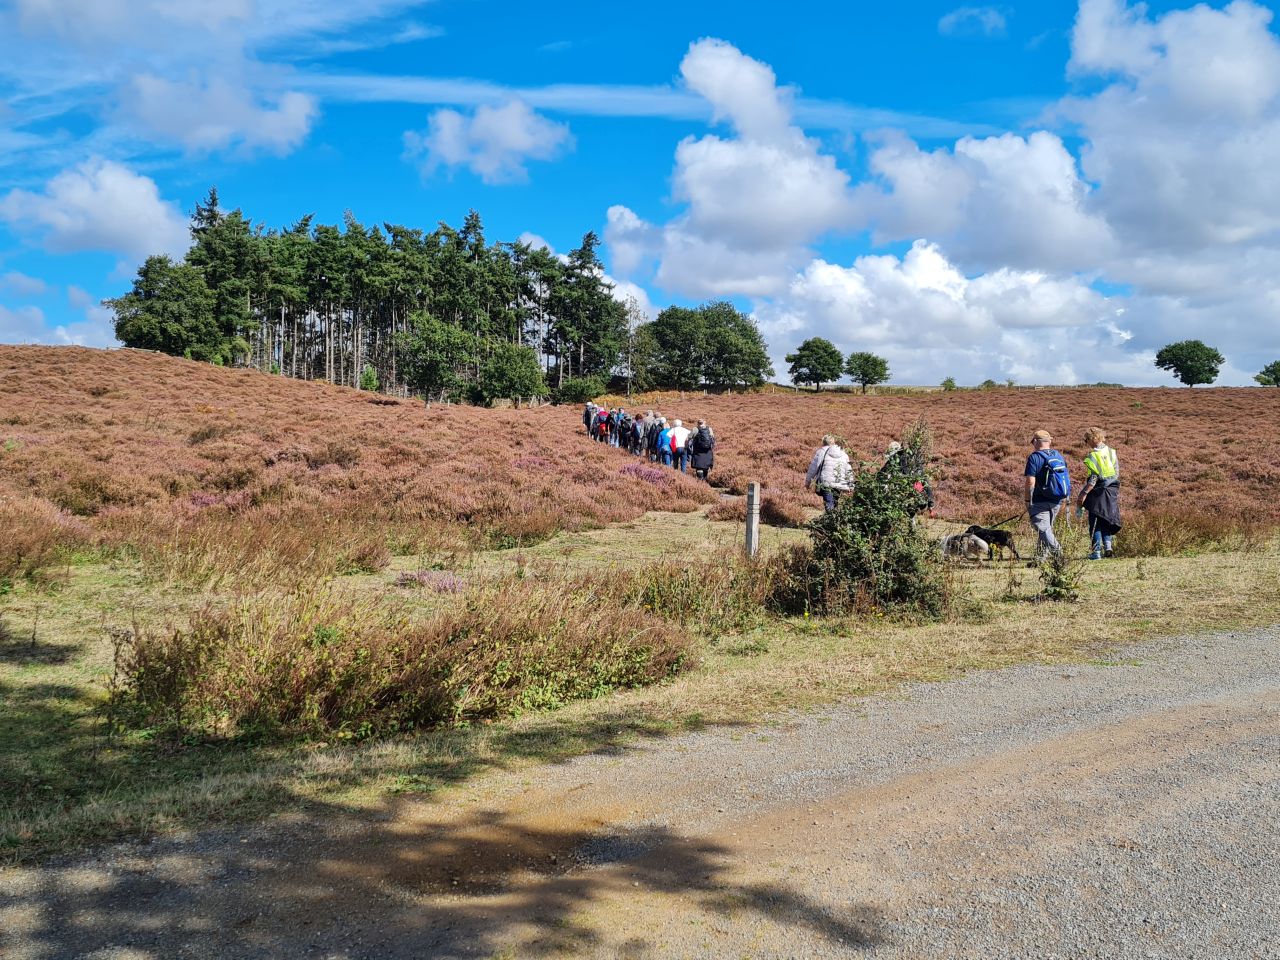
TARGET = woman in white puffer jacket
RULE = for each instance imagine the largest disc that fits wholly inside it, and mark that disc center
(831, 471)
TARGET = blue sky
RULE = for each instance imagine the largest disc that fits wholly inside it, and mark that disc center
(1040, 191)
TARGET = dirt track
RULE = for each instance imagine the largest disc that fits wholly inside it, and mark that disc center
(1120, 810)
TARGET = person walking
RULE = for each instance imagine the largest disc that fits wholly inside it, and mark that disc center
(602, 425)
(1047, 486)
(679, 445)
(664, 445)
(702, 447)
(589, 416)
(1100, 495)
(655, 438)
(830, 473)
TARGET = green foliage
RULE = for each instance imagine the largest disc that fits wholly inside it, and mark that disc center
(868, 554)
(580, 390)
(1060, 576)
(433, 355)
(714, 345)
(368, 378)
(988, 384)
(1269, 376)
(511, 372)
(327, 301)
(170, 309)
(1191, 361)
(949, 384)
(816, 361)
(867, 369)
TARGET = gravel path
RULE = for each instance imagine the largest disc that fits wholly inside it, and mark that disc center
(1122, 810)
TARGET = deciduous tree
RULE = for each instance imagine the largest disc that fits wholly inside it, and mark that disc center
(867, 369)
(816, 361)
(1191, 361)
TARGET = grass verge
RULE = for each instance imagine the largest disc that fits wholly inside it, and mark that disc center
(65, 783)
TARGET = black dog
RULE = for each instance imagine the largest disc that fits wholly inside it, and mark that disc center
(1001, 539)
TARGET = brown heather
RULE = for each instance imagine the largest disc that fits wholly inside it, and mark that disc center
(174, 457)
(1206, 458)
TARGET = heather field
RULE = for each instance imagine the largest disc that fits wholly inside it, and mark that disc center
(1195, 460)
(224, 593)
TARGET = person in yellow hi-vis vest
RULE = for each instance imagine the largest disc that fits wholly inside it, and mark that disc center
(1100, 495)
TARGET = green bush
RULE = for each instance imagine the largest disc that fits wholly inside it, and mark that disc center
(868, 554)
(579, 390)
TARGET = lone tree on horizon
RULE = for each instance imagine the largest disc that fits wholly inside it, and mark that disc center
(867, 369)
(816, 361)
(1269, 376)
(1191, 361)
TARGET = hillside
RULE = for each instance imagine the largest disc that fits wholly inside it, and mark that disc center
(136, 443)
(128, 436)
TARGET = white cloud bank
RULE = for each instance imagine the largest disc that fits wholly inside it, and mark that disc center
(1032, 259)
(27, 325)
(494, 143)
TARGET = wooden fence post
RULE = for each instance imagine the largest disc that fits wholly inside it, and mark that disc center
(753, 519)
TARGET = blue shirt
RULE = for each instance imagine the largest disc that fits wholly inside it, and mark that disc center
(1035, 468)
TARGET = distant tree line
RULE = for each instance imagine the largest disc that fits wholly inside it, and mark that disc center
(441, 313)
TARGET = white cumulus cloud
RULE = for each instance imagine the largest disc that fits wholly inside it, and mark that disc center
(753, 201)
(99, 205)
(931, 320)
(494, 142)
(1006, 200)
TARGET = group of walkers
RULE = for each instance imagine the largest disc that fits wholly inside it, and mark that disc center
(1047, 486)
(669, 443)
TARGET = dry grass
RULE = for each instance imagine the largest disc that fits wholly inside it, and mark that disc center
(80, 786)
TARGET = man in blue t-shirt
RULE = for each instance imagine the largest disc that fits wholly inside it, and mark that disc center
(1043, 503)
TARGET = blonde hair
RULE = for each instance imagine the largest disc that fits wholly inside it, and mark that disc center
(1095, 437)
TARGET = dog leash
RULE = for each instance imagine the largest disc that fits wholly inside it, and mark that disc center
(1010, 520)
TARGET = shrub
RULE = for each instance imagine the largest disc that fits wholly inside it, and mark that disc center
(949, 384)
(579, 390)
(322, 662)
(1060, 576)
(369, 378)
(868, 554)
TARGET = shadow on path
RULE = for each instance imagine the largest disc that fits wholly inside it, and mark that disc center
(483, 885)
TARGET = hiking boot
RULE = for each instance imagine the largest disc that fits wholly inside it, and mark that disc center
(1096, 555)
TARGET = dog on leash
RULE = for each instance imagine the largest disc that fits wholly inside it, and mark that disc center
(965, 546)
(997, 540)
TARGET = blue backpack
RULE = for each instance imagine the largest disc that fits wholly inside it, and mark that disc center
(1055, 480)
